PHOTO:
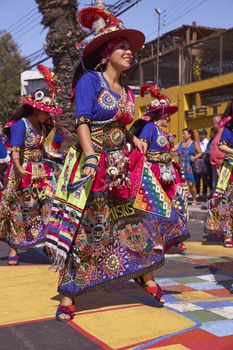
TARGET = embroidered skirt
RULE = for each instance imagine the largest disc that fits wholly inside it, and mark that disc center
(112, 235)
(26, 203)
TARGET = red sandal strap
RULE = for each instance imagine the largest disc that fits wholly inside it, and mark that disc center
(156, 291)
(66, 309)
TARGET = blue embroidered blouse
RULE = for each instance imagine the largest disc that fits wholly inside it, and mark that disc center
(94, 99)
(3, 152)
(155, 138)
(18, 133)
(227, 137)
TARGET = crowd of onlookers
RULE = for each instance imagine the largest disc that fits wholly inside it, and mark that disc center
(201, 159)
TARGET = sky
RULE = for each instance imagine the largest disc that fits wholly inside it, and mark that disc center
(22, 19)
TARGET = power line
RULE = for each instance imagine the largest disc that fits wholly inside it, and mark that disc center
(25, 32)
(179, 16)
(19, 30)
(178, 11)
(26, 15)
(26, 25)
(174, 6)
(194, 7)
(47, 58)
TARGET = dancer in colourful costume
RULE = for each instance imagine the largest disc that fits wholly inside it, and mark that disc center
(150, 128)
(25, 206)
(220, 207)
(4, 160)
(104, 221)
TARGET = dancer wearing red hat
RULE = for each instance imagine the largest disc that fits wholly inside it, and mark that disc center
(108, 206)
(25, 205)
(220, 206)
(151, 128)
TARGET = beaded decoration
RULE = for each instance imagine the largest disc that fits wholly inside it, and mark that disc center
(161, 140)
(82, 120)
(107, 101)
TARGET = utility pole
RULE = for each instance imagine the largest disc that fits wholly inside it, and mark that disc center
(99, 3)
(158, 11)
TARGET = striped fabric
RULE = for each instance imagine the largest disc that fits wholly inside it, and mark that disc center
(65, 214)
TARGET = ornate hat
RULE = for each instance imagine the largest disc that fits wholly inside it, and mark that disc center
(161, 103)
(44, 99)
(54, 140)
(106, 27)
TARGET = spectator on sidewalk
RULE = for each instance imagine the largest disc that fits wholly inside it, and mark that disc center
(202, 175)
(216, 156)
(189, 152)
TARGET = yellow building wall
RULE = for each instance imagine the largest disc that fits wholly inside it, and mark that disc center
(180, 96)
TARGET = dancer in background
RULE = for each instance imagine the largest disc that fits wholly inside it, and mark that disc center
(102, 229)
(25, 206)
(151, 128)
(220, 207)
(4, 160)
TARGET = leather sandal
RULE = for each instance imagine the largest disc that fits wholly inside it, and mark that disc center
(14, 259)
(156, 292)
(67, 310)
(228, 243)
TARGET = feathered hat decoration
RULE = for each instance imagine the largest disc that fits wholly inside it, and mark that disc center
(106, 27)
(154, 90)
(160, 103)
(50, 79)
(45, 99)
(95, 18)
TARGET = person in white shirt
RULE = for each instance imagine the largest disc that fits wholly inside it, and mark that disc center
(202, 139)
(203, 142)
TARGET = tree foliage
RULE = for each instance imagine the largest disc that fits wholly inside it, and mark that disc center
(11, 64)
(59, 16)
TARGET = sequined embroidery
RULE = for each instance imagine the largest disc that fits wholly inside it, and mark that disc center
(107, 101)
(116, 136)
(161, 140)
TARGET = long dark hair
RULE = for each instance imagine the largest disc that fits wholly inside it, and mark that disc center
(24, 111)
(190, 132)
(87, 64)
(138, 125)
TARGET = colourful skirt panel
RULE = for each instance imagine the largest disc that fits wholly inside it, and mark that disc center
(25, 205)
(220, 213)
(118, 230)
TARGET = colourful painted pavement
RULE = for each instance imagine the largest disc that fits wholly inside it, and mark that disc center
(198, 313)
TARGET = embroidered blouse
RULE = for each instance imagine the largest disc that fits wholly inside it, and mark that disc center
(3, 152)
(227, 137)
(24, 135)
(157, 139)
(95, 100)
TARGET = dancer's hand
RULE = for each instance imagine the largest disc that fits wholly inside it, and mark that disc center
(22, 171)
(140, 145)
(88, 170)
